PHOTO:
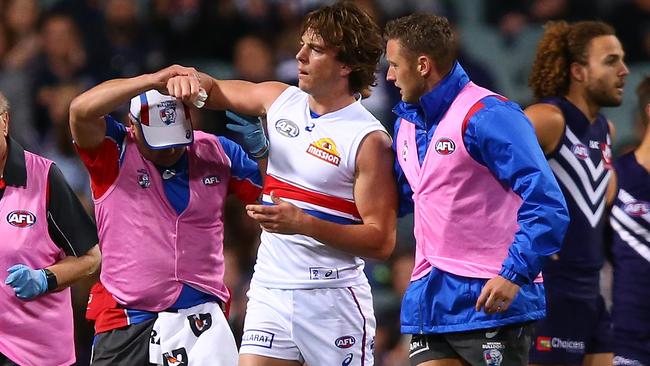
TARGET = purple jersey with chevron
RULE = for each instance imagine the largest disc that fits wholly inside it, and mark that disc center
(630, 219)
(582, 165)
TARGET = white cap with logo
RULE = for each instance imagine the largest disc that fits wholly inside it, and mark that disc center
(164, 120)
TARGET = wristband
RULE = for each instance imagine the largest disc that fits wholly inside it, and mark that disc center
(52, 283)
(263, 153)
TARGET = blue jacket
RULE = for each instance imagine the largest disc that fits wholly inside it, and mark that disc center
(500, 137)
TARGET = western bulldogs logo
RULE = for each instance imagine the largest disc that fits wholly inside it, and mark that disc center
(637, 208)
(178, 357)
(287, 128)
(493, 357)
(345, 342)
(143, 178)
(580, 151)
(167, 111)
(445, 146)
(21, 218)
(199, 323)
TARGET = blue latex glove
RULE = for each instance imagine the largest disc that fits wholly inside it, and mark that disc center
(255, 141)
(26, 282)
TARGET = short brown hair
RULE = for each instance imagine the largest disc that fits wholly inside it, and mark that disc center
(561, 45)
(643, 95)
(356, 37)
(422, 33)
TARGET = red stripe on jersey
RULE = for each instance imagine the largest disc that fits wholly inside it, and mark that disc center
(286, 190)
(103, 164)
(475, 108)
(104, 310)
(245, 190)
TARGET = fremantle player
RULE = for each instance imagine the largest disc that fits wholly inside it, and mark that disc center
(630, 221)
(578, 69)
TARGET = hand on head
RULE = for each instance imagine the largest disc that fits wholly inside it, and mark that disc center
(181, 82)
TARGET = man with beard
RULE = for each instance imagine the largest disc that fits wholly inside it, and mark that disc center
(578, 70)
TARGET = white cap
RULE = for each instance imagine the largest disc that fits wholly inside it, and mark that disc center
(164, 120)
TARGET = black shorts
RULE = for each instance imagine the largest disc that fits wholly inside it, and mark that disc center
(128, 346)
(631, 349)
(572, 329)
(507, 345)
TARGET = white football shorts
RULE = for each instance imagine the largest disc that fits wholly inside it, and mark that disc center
(325, 326)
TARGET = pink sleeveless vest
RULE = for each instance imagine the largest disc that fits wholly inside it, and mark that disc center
(37, 332)
(148, 250)
(465, 219)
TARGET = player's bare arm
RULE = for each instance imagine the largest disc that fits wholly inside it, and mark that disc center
(612, 185)
(87, 110)
(70, 269)
(376, 199)
(548, 122)
(244, 97)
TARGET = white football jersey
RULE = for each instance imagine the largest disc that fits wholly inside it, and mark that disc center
(312, 165)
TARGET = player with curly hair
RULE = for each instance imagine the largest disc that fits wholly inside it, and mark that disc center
(329, 196)
(578, 70)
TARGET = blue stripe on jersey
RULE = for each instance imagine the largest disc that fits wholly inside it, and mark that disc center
(191, 297)
(324, 216)
(631, 247)
(241, 166)
(116, 132)
(177, 184)
(138, 316)
(188, 297)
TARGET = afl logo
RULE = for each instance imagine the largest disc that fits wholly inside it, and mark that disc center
(345, 342)
(21, 218)
(445, 146)
(637, 208)
(580, 151)
(287, 128)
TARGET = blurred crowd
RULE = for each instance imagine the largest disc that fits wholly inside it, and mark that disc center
(52, 50)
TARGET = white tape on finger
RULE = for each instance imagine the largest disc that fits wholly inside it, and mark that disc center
(201, 98)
